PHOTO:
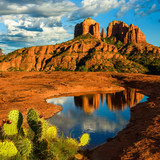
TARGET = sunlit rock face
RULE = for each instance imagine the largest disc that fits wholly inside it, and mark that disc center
(115, 101)
(103, 34)
(87, 26)
(125, 33)
(1, 53)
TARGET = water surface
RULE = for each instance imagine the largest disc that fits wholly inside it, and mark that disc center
(101, 115)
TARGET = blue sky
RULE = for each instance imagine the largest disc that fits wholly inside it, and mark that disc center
(25, 23)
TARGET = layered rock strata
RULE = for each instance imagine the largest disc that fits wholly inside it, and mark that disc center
(66, 55)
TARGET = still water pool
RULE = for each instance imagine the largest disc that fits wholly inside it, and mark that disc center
(101, 115)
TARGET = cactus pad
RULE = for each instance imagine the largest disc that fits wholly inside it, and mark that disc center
(51, 132)
(32, 115)
(23, 132)
(84, 139)
(7, 149)
(10, 129)
(41, 131)
(16, 117)
(43, 149)
(32, 119)
(24, 147)
(72, 142)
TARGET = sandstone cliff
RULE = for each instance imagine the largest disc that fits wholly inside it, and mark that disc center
(80, 54)
(68, 55)
(1, 53)
(125, 33)
(87, 26)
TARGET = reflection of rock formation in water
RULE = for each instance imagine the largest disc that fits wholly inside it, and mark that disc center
(88, 102)
(103, 98)
(120, 100)
(115, 101)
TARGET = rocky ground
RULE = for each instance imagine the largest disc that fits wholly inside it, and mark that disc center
(139, 140)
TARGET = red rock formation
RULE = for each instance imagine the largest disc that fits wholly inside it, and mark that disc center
(96, 30)
(140, 48)
(87, 26)
(1, 53)
(125, 33)
(88, 51)
(65, 55)
(117, 29)
(135, 35)
(103, 35)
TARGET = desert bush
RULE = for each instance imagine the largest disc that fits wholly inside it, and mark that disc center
(83, 68)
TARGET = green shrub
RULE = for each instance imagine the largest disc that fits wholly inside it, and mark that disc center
(12, 69)
(83, 68)
(149, 60)
(109, 40)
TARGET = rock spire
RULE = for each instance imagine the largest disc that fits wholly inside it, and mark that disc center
(103, 35)
(87, 26)
(125, 33)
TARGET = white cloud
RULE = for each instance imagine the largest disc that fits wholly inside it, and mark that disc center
(41, 9)
(90, 123)
(94, 7)
(152, 9)
(57, 101)
(24, 31)
(125, 7)
(34, 22)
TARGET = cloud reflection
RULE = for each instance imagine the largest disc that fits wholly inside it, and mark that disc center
(57, 101)
(90, 123)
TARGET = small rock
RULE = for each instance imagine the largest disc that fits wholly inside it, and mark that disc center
(78, 156)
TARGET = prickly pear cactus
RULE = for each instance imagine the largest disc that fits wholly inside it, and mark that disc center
(7, 149)
(51, 132)
(38, 125)
(10, 129)
(23, 132)
(32, 119)
(44, 145)
(72, 142)
(84, 139)
(24, 147)
(41, 131)
(16, 117)
(44, 124)
(32, 115)
(43, 148)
